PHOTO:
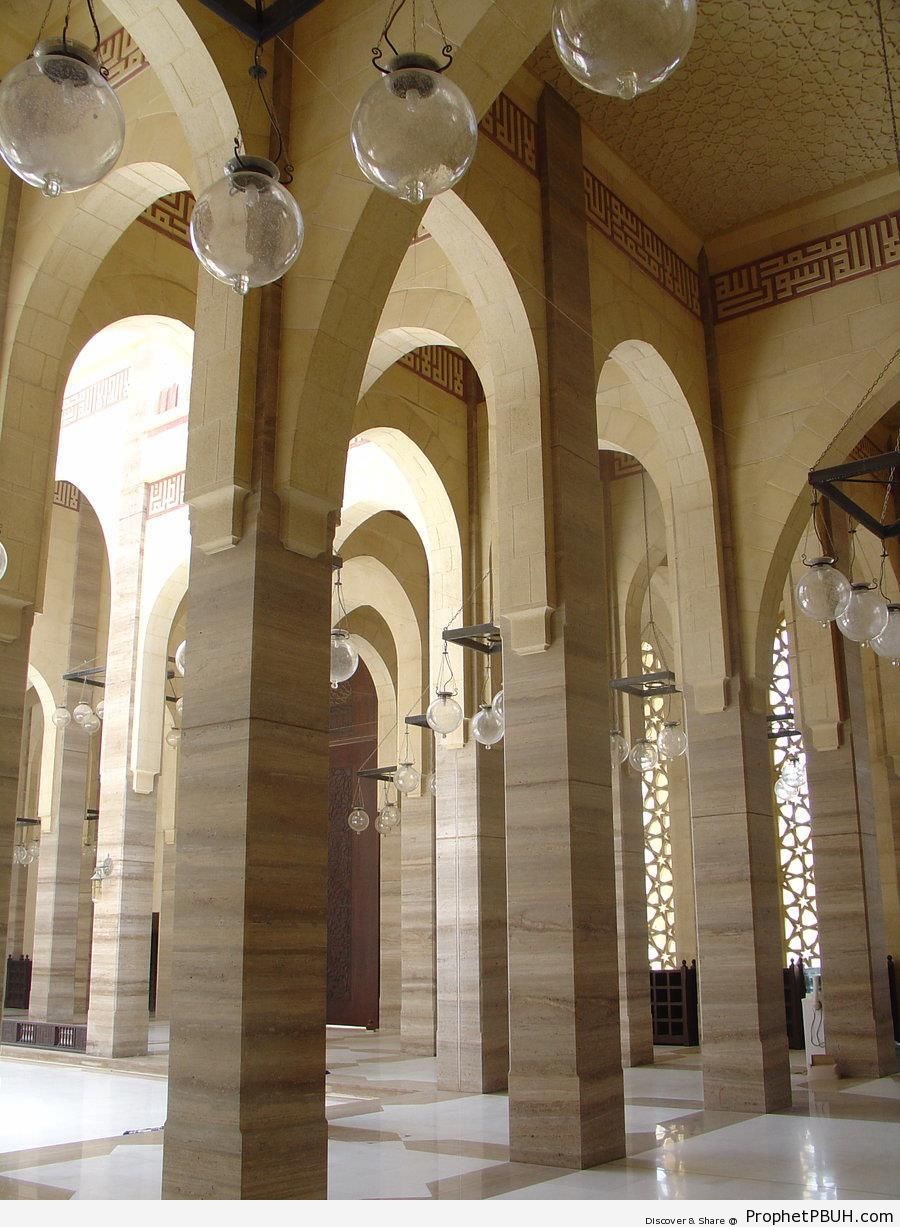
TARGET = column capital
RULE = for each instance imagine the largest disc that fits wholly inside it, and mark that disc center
(529, 629)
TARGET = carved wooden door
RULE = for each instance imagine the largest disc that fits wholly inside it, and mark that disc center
(353, 860)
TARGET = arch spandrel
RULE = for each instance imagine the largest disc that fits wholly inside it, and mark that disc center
(782, 510)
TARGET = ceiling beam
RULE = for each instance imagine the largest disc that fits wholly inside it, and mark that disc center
(258, 23)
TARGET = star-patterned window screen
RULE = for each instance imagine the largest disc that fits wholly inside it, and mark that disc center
(796, 869)
(657, 834)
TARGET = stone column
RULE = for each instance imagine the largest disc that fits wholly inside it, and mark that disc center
(887, 806)
(631, 910)
(60, 864)
(168, 800)
(682, 859)
(247, 1052)
(566, 1104)
(13, 681)
(418, 992)
(742, 1031)
(858, 1029)
(473, 1016)
(118, 1017)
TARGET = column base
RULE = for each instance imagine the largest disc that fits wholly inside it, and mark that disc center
(744, 1078)
(274, 1164)
(566, 1122)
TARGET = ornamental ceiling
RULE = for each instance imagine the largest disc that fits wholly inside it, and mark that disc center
(777, 101)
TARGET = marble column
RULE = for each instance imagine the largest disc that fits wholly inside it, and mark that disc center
(682, 859)
(742, 1031)
(118, 1017)
(60, 865)
(246, 1113)
(13, 681)
(858, 1029)
(887, 806)
(631, 909)
(418, 972)
(566, 1104)
(473, 1015)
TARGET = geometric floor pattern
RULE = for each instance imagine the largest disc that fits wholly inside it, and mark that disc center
(67, 1132)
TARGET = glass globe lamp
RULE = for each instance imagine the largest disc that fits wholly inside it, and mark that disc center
(622, 47)
(887, 644)
(389, 818)
(173, 737)
(179, 705)
(643, 756)
(414, 132)
(785, 793)
(487, 727)
(672, 741)
(62, 717)
(180, 656)
(618, 747)
(62, 127)
(499, 705)
(406, 778)
(4, 560)
(81, 711)
(865, 616)
(823, 593)
(91, 723)
(358, 820)
(444, 715)
(431, 783)
(100, 709)
(344, 657)
(247, 229)
(791, 772)
(20, 855)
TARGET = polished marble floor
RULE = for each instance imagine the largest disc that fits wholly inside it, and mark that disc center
(75, 1128)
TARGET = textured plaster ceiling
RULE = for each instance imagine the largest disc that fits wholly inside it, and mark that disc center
(778, 100)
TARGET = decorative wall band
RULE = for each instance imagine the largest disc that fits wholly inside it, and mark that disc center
(845, 255)
(96, 397)
(164, 495)
(631, 234)
(513, 129)
(442, 367)
(624, 465)
(171, 216)
(66, 495)
(122, 58)
(516, 133)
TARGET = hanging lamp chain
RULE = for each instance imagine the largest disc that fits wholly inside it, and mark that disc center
(394, 10)
(887, 79)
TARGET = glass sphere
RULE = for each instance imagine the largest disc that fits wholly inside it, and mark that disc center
(344, 657)
(62, 717)
(81, 711)
(887, 644)
(791, 774)
(444, 715)
(866, 615)
(672, 741)
(100, 709)
(823, 593)
(643, 756)
(618, 747)
(179, 705)
(4, 560)
(622, 47)
(247, 229)
(487, 726)
(785, 792)
(180, 656)
(358, 820)
(414, 132)
(406, 778)
(173, 737)
(389, 818)
(20, 855)
(431, 783)
(91, 723)
(62, 127)
(499, 705)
